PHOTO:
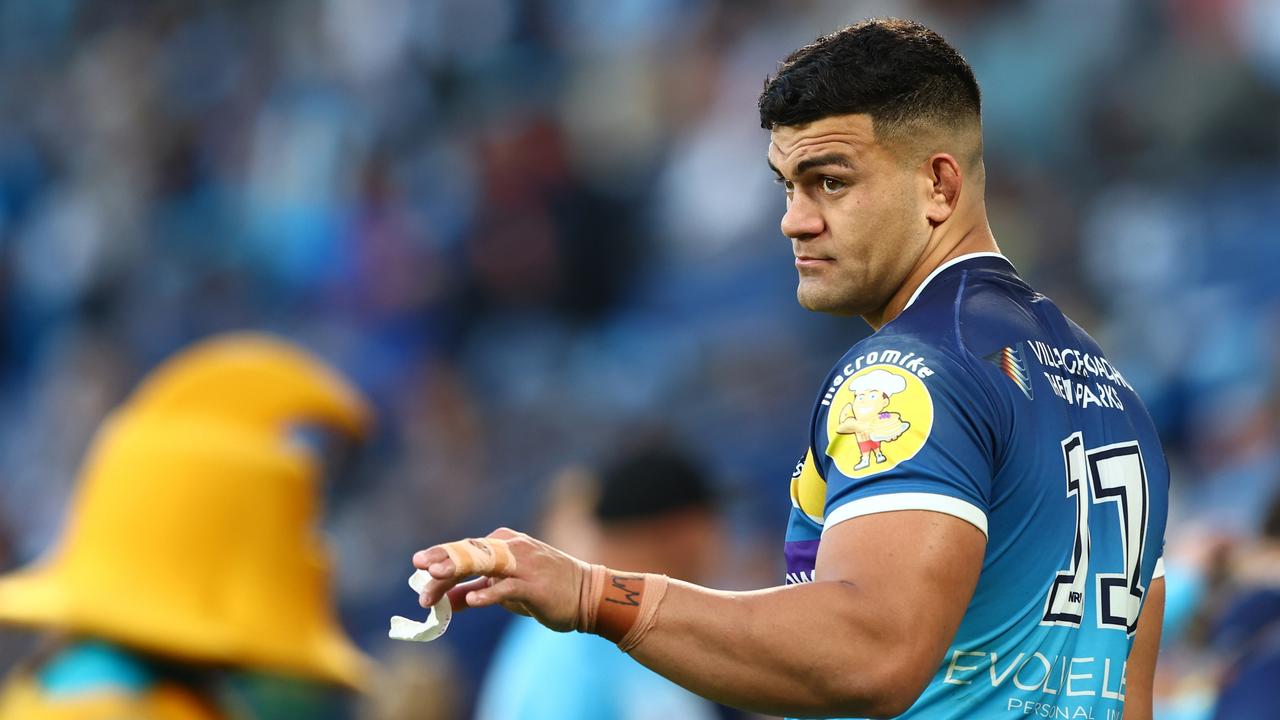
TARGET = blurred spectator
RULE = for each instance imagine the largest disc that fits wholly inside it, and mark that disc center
(1248, 631)
(414, 684)
(189, 581)
(652, 510)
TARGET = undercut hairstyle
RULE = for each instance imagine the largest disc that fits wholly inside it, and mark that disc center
(899, 72)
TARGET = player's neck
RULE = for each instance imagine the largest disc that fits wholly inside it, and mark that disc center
(943, 248)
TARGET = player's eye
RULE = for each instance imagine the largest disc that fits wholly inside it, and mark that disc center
(831, 185)
(787, 185)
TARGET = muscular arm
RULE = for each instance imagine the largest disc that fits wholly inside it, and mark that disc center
(863, 640)
(1141, 670)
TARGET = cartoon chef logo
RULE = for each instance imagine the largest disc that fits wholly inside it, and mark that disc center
(879, 417)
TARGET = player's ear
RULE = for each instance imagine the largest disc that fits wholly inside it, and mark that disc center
(943, 178)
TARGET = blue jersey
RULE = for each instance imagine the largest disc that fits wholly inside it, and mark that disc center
(983, 401)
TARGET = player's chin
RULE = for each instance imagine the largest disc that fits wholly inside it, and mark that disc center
(815, 296)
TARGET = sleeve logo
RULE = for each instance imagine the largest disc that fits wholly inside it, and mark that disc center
(880, 416)
(808, 489)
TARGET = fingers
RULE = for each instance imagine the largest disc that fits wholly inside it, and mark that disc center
(436, 561)
(502, 591)
(480, 556)
(436, 589)
(480, 592)
(449, 563)
(474, 556)
(458, 594)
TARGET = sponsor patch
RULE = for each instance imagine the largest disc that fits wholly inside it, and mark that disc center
(880, 416)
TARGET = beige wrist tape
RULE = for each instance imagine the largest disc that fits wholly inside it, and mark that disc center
(621, 607)
(589, 598)
(480, 556)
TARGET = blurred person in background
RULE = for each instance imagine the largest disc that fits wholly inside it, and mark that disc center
(191, 581)
(653, 508)
(1221, 653)
(413, 684)
(1246, 634)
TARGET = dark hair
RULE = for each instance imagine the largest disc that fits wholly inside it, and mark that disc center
(650, 481)
(897, 71)
(1271, 520)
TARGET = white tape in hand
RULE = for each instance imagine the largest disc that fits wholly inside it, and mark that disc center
(402, 628)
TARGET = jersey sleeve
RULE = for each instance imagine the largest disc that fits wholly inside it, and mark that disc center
(906, 427)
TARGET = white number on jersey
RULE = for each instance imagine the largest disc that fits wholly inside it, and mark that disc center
(1111, 474)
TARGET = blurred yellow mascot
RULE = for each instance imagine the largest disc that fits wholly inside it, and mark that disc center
(191, 549)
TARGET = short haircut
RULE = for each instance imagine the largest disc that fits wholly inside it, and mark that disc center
(899, 72)
(651, 481)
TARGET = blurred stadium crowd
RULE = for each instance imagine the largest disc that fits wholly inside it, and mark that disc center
(531, 230)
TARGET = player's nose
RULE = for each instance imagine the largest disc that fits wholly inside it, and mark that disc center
(802, 219)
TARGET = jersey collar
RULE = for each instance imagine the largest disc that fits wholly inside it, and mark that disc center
(953, 261)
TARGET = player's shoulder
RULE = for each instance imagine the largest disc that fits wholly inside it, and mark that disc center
(965, 313)
(911, 358)
(973, 298)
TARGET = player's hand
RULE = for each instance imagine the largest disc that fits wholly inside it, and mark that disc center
(543, 582)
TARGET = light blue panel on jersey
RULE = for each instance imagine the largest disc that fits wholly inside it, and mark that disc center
(983, 401)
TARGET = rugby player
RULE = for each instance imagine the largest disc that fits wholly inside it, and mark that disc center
(978, 518)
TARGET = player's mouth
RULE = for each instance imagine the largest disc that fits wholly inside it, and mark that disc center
(812, 261)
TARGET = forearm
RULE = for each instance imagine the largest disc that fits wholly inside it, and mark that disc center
(818, 649)
(865, 645)
(1141, 668)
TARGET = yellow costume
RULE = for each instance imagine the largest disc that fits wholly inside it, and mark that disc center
(192, 534)
(22, 698)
